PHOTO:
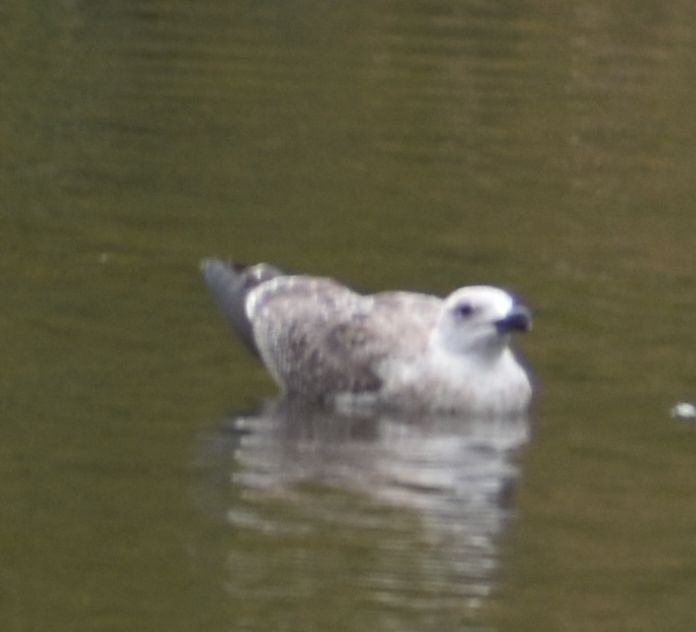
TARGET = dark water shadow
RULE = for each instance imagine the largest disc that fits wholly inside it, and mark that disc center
(425, 498)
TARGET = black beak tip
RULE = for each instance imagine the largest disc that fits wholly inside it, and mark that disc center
(519, 319)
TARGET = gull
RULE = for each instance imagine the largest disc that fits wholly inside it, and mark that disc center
(327, 344)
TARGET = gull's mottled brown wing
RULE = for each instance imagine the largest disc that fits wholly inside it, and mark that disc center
(318, 337)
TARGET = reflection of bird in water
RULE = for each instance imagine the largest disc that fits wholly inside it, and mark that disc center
(427, 496)
(393, 350)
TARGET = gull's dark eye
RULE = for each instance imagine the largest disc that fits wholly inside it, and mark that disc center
(464, 310)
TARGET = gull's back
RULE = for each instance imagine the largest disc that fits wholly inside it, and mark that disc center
(319, 338)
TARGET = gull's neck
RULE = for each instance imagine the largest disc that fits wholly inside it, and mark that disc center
(479, 357)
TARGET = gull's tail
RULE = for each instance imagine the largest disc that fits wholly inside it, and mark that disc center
(229, 283)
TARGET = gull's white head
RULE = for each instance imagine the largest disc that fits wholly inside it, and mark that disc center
(479, 320)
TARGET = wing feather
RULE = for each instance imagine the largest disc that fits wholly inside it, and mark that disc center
(319, 337)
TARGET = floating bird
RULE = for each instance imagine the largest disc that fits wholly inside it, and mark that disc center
(323, 342)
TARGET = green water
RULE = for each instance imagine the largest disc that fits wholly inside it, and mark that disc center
(419, 145)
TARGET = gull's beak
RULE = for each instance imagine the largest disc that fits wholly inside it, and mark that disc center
(518, 319)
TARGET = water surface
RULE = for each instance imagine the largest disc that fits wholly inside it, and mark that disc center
(416, 145)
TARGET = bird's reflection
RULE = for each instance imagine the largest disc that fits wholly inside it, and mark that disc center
(427, 493)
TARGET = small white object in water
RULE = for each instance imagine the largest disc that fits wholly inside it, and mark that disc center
(684, 410)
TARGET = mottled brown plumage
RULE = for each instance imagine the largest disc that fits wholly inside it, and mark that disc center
(322, 341)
